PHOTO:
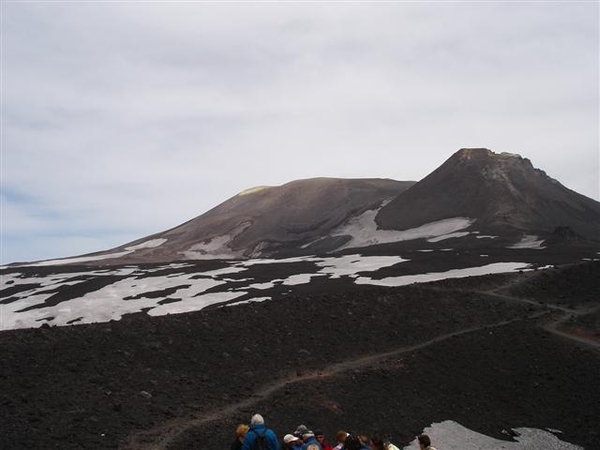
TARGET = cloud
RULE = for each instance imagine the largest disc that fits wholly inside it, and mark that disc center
(133, 117)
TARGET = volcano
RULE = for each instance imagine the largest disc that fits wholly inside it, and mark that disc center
(504, 193)
(360, 302)
(475, 196)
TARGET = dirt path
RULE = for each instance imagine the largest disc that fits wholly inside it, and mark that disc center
(585, 338)
(160, 437)
(553, 326)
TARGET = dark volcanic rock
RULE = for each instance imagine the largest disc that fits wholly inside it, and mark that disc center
(503, 192)
(316, 359)
(270, 220)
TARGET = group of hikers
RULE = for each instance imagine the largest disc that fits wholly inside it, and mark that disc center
(257, 436)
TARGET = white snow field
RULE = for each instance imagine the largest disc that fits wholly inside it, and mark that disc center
(449, 435)
(109, 302)
(435, 276)
(216, 248)
(529, 241)
(449, 236)
(364, 231)
(139, 290)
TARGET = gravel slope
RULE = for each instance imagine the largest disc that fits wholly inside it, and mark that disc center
(366, 359)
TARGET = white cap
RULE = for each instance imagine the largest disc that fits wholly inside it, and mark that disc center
(257, 419)
(289, 438)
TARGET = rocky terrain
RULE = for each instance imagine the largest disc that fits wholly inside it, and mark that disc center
(309, 303)
(492, 353)
(504, 192)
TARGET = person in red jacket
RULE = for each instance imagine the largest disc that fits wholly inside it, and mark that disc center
(321, 439)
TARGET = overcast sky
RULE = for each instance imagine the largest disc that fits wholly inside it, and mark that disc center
(122, 119)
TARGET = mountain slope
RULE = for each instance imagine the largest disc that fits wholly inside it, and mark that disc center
(503, 192)
(268, 220)
(475, 194)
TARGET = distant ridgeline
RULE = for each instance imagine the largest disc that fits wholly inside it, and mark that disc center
(477, 199)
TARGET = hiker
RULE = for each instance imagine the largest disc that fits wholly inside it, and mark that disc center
(425, 442)
(379, 443)
(320, 437)
(309, 440)
(353, 442)
(240, 433)
(300, 430)
(259, 437)
(291, 442)
(340, 438)
(364, 439)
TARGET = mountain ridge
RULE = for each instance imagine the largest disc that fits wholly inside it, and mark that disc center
(494, 195)
(501, 190)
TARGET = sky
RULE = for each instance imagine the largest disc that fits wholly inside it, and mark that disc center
(123, 119)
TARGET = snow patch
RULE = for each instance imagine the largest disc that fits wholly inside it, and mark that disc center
(364, 232)
(152, 243)
(449, 236)
(107, 303)
(350, 265)
(215, 248)
(529, 241)
(252, 262)
(335, 267)
(263, 286)
(435, 276)
(302, 278)
(451, 435)
(141, 289)
(224, 271)
(251, 300)
(194, 303)
(313, 242)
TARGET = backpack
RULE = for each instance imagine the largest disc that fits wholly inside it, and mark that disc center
(261, 442)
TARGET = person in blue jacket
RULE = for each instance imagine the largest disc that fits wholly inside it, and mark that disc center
(258, 428)
(310, 441)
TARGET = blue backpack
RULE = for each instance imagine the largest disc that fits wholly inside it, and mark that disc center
(261, 442)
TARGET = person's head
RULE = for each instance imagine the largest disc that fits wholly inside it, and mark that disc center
(290, 440)
(424, 441)
(257, 419)
(320, 436)
(340, 436)
(241, 430)
(364, 439)
(307, 435)
(300, 430)
(377, 442)
(352, 442)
